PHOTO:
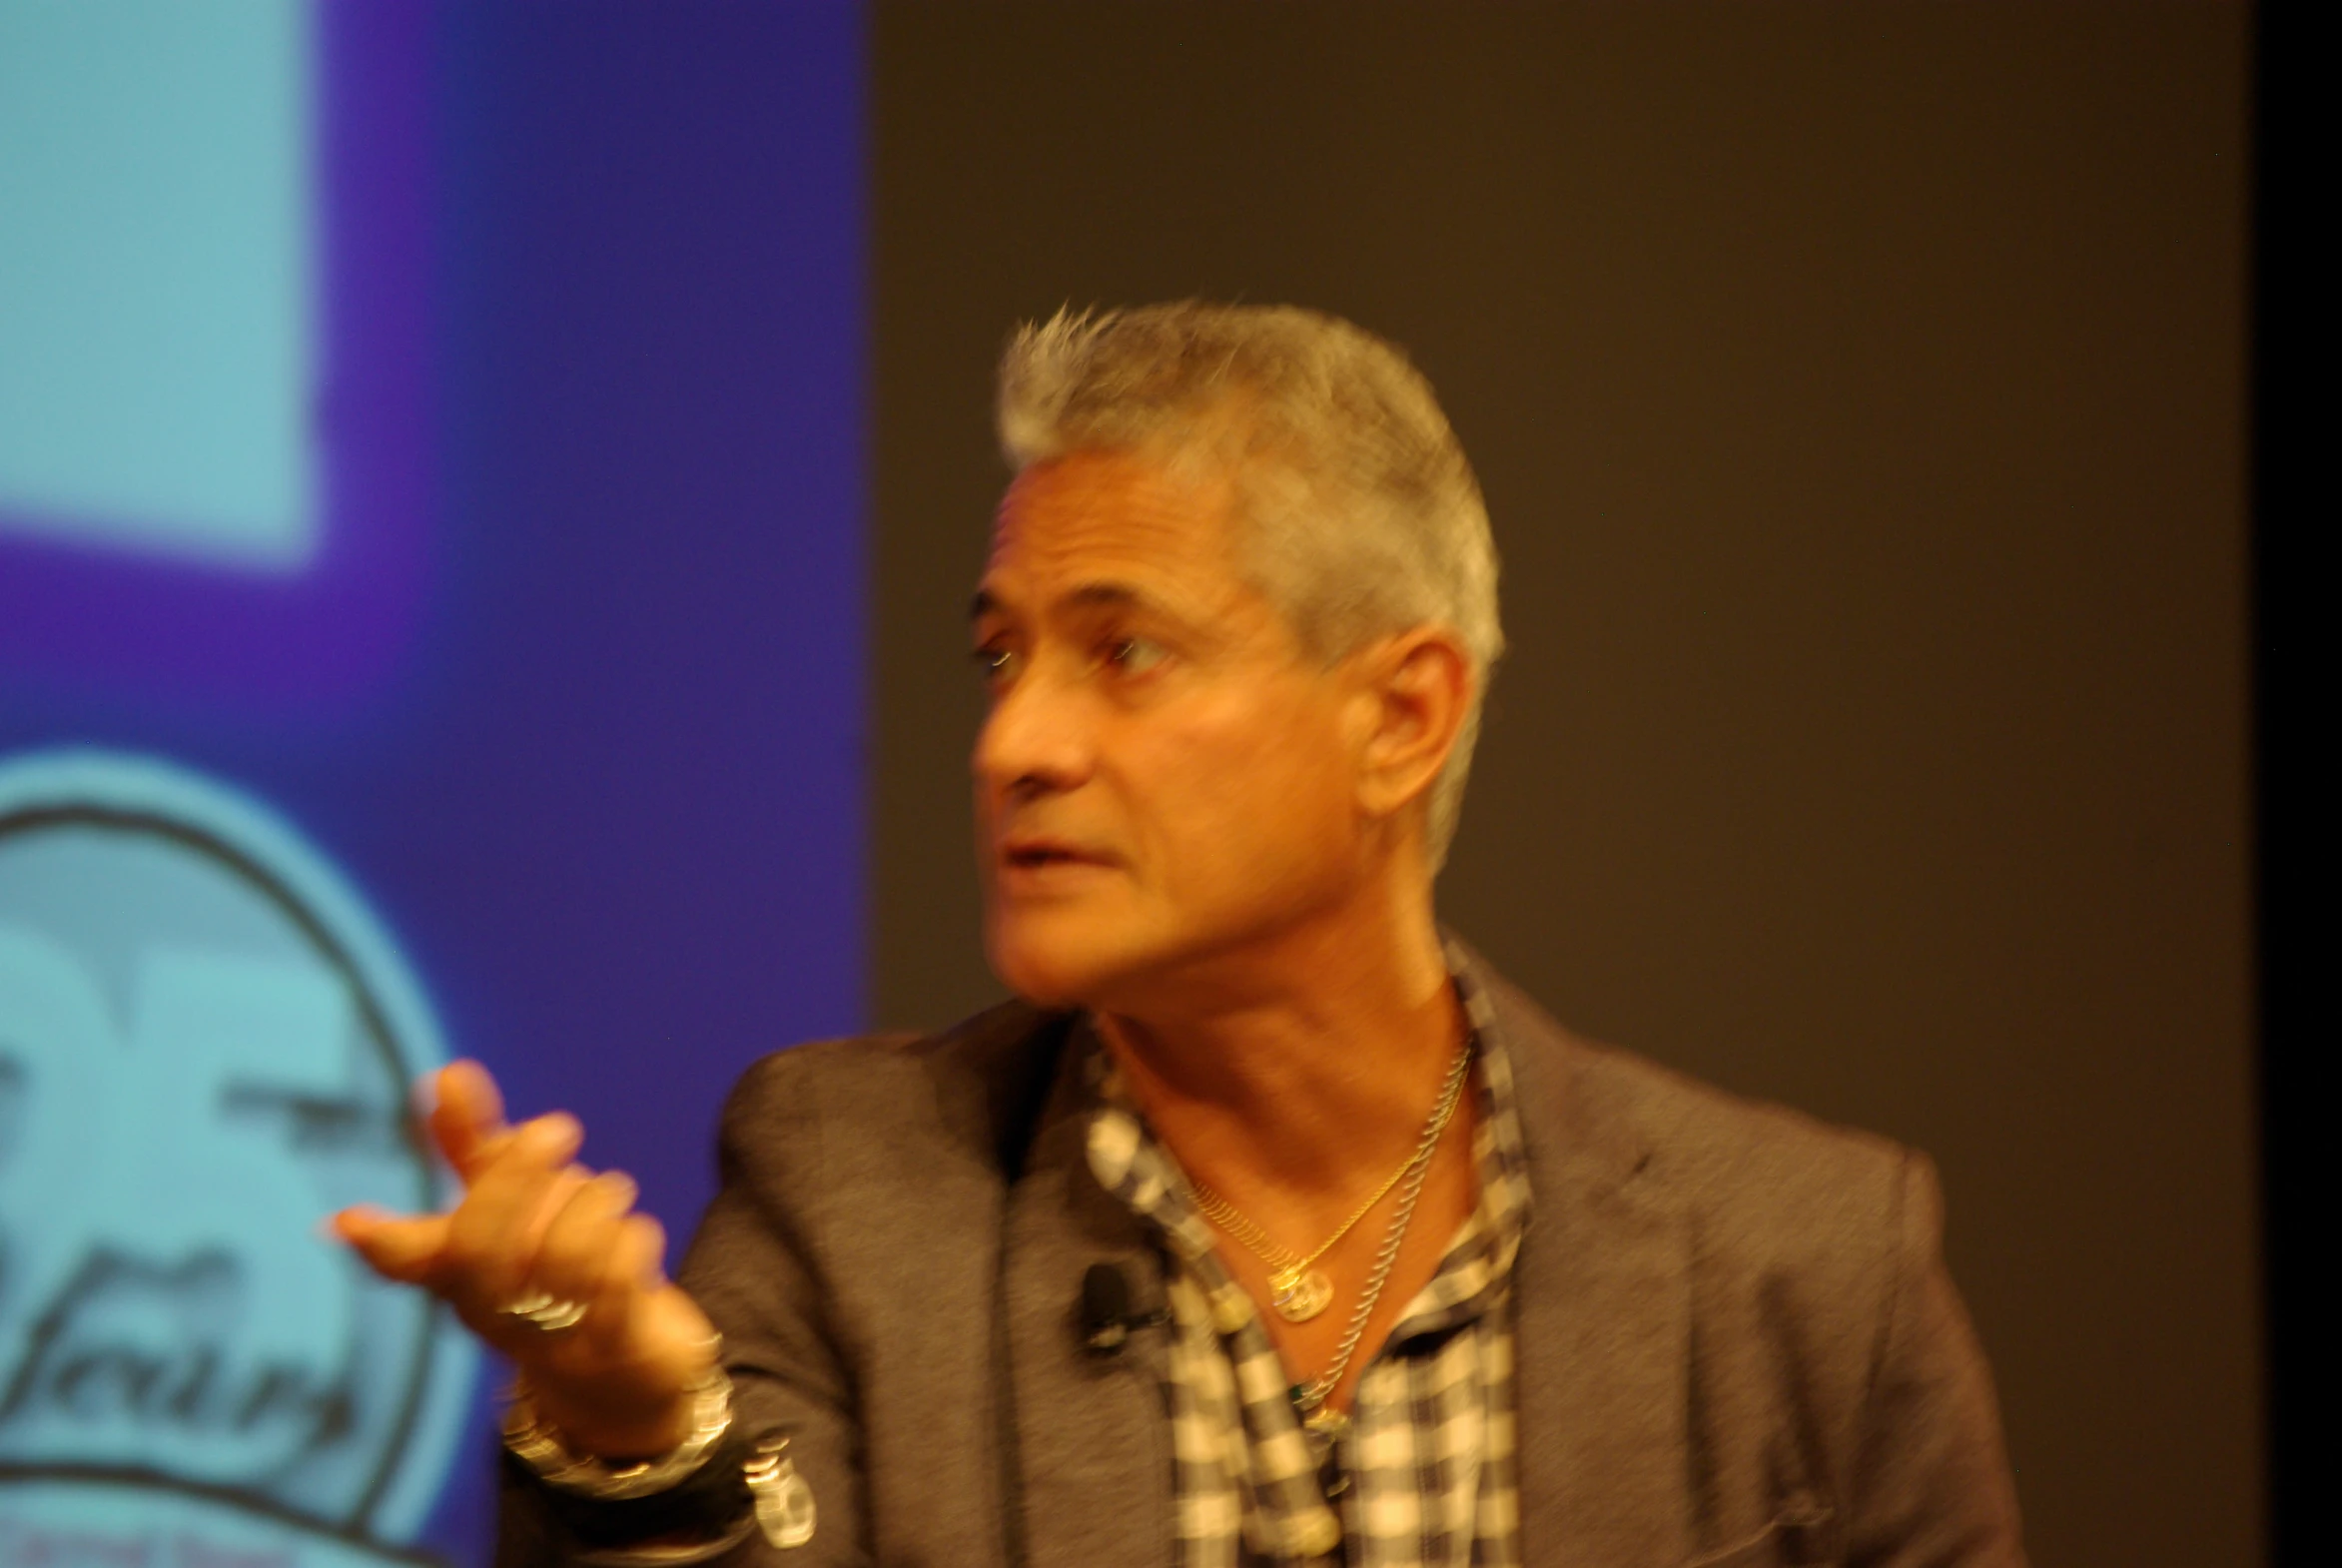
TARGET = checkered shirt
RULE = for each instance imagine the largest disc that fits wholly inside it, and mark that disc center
(1425, 1472)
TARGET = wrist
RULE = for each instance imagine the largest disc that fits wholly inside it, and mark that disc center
(616, 1434)
(620, 1458)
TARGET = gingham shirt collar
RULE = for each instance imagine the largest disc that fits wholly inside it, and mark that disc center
(1245, 1468)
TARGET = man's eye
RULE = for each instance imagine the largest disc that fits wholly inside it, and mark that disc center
(994, 664)
(1133, 655)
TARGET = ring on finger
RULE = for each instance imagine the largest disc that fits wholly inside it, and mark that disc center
(545, 1314)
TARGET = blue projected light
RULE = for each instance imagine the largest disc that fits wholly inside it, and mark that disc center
(526, 343)
(156, 292)
(206, 1043)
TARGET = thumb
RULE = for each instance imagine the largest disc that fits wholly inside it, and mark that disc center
(400, 1248)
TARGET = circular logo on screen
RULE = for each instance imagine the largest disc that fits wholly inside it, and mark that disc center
(206, 1046)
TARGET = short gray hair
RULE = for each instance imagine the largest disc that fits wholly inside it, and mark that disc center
(1362, 515)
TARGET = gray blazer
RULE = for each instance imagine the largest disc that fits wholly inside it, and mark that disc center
(1736, 1340)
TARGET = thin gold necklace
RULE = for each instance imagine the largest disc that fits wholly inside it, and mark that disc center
(1297, 1289)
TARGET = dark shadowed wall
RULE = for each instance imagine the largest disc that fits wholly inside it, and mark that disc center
(1858, 392)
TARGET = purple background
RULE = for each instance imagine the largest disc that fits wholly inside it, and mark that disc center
(575, 693)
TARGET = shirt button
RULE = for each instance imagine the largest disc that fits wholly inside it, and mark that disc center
(1231, 1309)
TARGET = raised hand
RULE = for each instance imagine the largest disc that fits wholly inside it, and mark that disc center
(547, 1261)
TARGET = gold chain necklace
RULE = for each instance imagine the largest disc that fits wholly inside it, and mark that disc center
(1299, 1289)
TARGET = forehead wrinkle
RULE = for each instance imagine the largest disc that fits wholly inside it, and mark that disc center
(1106, 594)
(1108, 530)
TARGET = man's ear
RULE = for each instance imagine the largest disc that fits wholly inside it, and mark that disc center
(1415, 689)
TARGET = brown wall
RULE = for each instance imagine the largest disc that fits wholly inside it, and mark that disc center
(1857, 390)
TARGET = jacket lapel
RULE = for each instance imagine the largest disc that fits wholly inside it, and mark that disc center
(1091, 1447)
(1603, 1321)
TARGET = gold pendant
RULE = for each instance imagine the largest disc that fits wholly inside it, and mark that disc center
(1299, 1294)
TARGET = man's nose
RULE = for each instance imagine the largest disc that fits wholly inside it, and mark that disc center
(1036, 739)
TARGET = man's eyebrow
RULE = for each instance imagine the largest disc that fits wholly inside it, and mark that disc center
(1112, 594)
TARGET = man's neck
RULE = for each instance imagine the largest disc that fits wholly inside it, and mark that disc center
(1315, 1079)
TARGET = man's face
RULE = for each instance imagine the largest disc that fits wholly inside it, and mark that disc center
(1163, 785)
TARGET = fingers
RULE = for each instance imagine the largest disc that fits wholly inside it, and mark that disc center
(629, 1286)
(578, 1242)
(531, 1221)
(597, 1254)
(618, 1379)
(466, 1116)
(515, 1194)
(479, 1257)
(516, 1180)
(526, 1228)
(591, 1255)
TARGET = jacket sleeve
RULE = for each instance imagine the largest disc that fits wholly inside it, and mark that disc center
(752, 1268)
(1931, 1480)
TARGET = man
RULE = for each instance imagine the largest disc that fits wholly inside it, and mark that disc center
(1268, 1225)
